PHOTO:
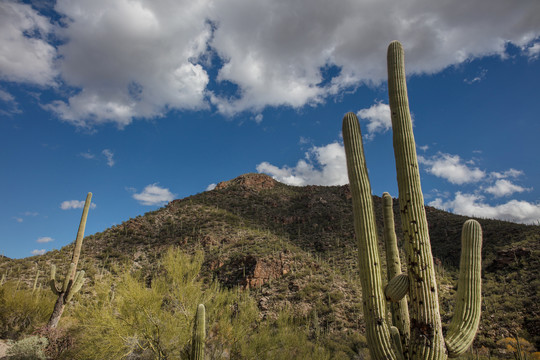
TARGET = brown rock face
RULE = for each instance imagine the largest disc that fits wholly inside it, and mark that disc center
(255, 182)
(250, 271)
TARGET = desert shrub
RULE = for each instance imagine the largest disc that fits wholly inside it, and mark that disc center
(131, 319)
(21, 310)
(30, 348)
(59, 341)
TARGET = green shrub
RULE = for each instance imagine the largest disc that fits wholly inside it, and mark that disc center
(21, 310)
(30, 348)
(128, 319)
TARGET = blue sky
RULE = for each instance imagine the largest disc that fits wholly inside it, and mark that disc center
(142, 102)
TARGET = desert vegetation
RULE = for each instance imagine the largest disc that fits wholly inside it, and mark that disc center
(255, 269)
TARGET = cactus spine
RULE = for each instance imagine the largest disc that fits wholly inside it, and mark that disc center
(426, 337)
(199, 334)
(74, 279)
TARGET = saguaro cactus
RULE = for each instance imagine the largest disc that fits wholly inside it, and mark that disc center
(74, 279)
(426, 338)
(199, 334)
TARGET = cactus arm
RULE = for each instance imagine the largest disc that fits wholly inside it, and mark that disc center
(199, 334)
(397, 288)
(399, 308)
(77, 285)
(374, 304)
(396, 339)
(67, 280)
(466, 318)
(427, 342)
(52, 281)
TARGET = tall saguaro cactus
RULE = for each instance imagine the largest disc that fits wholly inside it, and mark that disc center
(199, 334)
(426, 340)
(74, 279)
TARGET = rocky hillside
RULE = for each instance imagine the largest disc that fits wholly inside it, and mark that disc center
(294, 246)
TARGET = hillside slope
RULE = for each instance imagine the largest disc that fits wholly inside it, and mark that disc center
(294, 246)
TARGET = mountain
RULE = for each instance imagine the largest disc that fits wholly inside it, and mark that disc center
(294, 246)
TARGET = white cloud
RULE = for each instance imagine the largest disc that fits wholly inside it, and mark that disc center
(325, 165)
(258, 118)
(74, 204)
(38, 251)
(109, 155)
(18, 219)
(511, 173)
(275, 50)
(451, 168)
(378, 117)
(474, 205)
(44, 239)
(154, 195)
(131, 59)
(87, 155)
(27, 57)
(503, 187)
(125, 59)
(6, 97)
(481, 76)
(534, 50)
(211, 187)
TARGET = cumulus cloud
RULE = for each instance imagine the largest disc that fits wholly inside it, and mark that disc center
(131, 59)
(38, 251)
(44, 239)
(109, 156)
(325, 165)
(276, 51)
(125, 59)
(503, 187)
(211, 187)
(154, 195)
(451, 168)
(74, 204)
(27, 57)
(378, 118)
(475, 205)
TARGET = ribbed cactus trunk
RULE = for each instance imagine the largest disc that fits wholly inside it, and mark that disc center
(73, 280)
(399, 309)
(427, 340)
(199, 334)
(374, 304)
(467, 311)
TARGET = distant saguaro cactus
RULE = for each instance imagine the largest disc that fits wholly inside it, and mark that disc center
(74, 279)
(421, 338)
(199, 334)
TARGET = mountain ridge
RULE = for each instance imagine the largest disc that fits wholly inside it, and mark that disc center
(294, 246)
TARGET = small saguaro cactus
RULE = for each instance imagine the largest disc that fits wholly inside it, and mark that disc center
(199, 334)
(74, 279)
(421, 337)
